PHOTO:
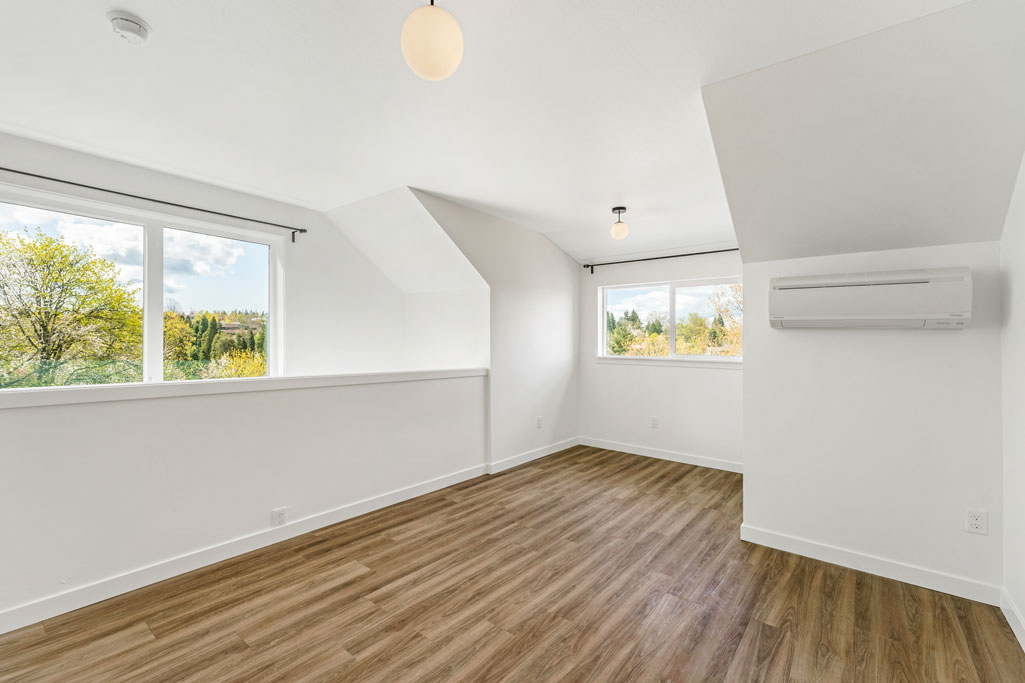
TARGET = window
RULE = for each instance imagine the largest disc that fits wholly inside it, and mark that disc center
(707, 320)
(70, 299)
(215, 306)
(80, 296)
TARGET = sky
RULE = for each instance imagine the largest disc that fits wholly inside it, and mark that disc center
(201, 272)
(653, 301)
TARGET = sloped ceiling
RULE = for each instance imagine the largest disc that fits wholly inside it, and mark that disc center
(405, 242)
(559, 111)
(908, 137)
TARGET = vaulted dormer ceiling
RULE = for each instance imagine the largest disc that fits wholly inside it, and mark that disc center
(908, 137)
(559, 111)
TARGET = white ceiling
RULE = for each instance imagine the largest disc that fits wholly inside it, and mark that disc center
(909, 137)
(559, 111)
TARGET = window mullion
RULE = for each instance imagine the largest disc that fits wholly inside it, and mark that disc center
(672, 319)
(604, 333)
(153, 304)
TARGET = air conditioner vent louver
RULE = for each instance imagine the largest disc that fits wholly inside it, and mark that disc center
(914, 299)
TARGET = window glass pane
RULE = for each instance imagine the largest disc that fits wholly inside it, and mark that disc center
(70, 299)
(710, 320)
(637, 321)
(216, 306)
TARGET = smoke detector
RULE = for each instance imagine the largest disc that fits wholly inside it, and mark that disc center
(128, 26)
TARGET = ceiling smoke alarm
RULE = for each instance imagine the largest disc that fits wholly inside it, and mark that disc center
(128, 26)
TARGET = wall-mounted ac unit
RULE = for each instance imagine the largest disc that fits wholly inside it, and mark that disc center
(939, 298)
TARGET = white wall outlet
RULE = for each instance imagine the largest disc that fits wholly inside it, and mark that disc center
(976, 521)
(654, 422)
(540, 422)
(278, 516)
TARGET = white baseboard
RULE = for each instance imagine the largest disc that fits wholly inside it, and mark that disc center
(891, 569)
(700, 460)
(51, 606)
(515, 460)
(1014, 616)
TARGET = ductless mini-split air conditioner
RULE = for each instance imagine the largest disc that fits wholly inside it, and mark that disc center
(939, 298)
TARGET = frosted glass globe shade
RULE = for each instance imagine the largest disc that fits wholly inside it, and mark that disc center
(432, 43)
(619, 230)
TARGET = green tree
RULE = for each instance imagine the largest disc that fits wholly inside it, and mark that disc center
(620, 340)
(209, 327)
(251, 342)
(610, 322)
(199, 328)
(178, 337)
(717, 332)
(226, 343)
(64, 316)
(654, 327)
(692, 336)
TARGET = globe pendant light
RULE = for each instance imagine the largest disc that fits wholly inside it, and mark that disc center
(432, 43)
(619, 228)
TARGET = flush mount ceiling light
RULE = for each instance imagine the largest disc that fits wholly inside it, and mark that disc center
(432, 43)
(128, 26)
(619, 229)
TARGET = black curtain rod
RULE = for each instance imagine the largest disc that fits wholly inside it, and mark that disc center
(592, 266)
(290, 228)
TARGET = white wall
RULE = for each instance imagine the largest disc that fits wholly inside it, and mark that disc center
(445, 320)
(863, 447)
(152, 488)
(446, 329)
(534, 322)
(341, 313)
(699, 408)
(1013, 264)
(119, 494)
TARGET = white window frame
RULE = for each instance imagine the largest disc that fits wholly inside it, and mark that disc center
(88, 204)
(673, 358)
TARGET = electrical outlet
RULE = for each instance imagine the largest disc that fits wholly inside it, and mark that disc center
(654, 422)
(976, 521)
(540, 422)
(278, 516)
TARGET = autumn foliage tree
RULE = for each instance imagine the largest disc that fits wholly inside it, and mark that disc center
(64, 316)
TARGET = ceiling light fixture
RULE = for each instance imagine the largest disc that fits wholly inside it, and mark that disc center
(432, 43)
(128, 26)
(619, 229)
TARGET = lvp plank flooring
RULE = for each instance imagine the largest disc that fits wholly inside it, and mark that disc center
(588, 565)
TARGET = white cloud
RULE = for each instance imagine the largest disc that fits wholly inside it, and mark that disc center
(115, 242)
(28, 215)
(648, 304)
(190, 253)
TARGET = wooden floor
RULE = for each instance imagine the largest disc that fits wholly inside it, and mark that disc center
(588, 565)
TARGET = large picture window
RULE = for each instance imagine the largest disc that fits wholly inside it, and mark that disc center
(80, 298)
(674, 320)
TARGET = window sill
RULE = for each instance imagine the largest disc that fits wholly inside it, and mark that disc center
(52, 396)
(711, 363)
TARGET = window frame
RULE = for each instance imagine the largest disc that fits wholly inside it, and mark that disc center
(50, 196)
(673, 358)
